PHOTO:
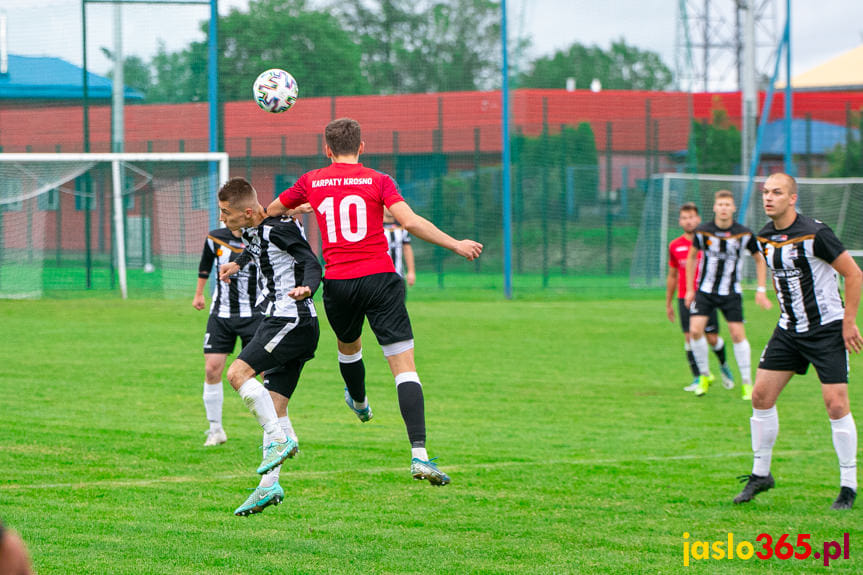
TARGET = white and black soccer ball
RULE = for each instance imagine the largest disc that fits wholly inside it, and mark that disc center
(275, 91)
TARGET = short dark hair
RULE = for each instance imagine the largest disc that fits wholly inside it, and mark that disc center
(689, 207)
(724, 194)
(238, 192)
(343, 136)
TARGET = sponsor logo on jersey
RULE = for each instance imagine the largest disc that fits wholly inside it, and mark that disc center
(787, 274)
(778, 237)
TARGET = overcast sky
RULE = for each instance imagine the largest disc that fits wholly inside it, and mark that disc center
(821, 29)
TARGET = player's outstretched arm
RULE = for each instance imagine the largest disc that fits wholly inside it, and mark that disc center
(761, 276)
(848, 269)
(425, 230)
(277, 208)
(411, 275)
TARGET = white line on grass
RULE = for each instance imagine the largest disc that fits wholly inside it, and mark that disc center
(312, 474)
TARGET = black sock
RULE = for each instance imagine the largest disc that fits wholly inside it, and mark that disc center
(692, 365)
(354, 374)
(412, 407)
(720, 354)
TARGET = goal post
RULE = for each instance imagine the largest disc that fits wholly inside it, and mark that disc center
(47, 200)
(838, 202)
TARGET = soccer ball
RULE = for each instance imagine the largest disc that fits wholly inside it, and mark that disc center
(275, 91)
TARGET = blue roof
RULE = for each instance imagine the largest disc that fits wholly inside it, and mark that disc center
(824, 137)
(44, 78)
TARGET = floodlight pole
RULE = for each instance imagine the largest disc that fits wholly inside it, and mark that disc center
(213, 100)
(505, 145)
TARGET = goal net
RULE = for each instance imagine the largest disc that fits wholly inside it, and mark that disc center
(836, 201)
(130, 223)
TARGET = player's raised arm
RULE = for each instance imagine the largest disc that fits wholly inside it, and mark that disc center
(425, 230)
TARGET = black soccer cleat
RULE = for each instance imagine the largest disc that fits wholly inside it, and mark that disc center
(845, 500)
(755, 484)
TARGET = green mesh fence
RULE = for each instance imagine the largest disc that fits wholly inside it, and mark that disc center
(424, 81)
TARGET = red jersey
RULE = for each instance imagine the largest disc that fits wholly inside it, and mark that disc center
(349, 201)
(678, 251)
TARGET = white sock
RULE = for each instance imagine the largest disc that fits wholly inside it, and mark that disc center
(419, 453)
(720, 343)
(258, 400)
(743, 355)
(845, 443)
(764, 426)
(271, 477)
(699, 350)
(213, 399)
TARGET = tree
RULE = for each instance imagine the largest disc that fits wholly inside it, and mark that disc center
(432, 46)
(847, 161)
(621, 67)
(717, 144)
(288, 34)
(136, 72)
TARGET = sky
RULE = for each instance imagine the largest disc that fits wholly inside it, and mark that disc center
(820, 29)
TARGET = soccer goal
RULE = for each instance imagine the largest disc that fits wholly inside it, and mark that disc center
(836, 201)
(121, 221)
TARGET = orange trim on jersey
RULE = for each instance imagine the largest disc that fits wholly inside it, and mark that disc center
(223, 244)
(786, 242)
(734, 237)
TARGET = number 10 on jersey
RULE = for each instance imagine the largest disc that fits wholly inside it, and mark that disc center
(328, 210)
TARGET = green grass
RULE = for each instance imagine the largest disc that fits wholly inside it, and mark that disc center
(571, 445)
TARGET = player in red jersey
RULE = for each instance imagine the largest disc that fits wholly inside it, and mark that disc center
(678, 250)
(360, 282)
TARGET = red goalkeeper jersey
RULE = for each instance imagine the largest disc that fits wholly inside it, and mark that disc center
(349, 201)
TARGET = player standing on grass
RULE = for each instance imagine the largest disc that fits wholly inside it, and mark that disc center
(723, 242)
(286, 337)
(814, 327)
(678, 251)
(233, 314)
(348, 200)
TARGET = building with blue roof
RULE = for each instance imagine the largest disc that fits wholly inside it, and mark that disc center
(31, 78)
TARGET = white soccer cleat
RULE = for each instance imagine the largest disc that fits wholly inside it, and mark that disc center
(215, 437)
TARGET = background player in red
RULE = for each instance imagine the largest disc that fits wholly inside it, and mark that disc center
(678, 250)
(360, 281)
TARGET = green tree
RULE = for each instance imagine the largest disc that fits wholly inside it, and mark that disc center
(289, 34)
(136, 72)
(441, 45)
(717, 144)
(621, 67)
(847, 161)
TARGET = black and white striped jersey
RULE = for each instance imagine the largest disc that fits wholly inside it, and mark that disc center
(238, 298)
(397, 237)
(285, 261)
(722, 262)
(807, 286)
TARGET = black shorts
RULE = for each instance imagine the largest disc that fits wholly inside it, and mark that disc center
(731, 305)
(282, 344)
(823, 348)
(683, 311)
(379, 297)
(222, 332)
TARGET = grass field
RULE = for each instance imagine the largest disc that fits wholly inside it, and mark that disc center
(571, 446)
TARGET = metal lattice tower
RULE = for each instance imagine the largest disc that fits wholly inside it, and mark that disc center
(709, 43)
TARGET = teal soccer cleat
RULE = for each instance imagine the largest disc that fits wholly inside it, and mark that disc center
(261, 498)
(362, 414)
(428, 470)
(276, 453)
